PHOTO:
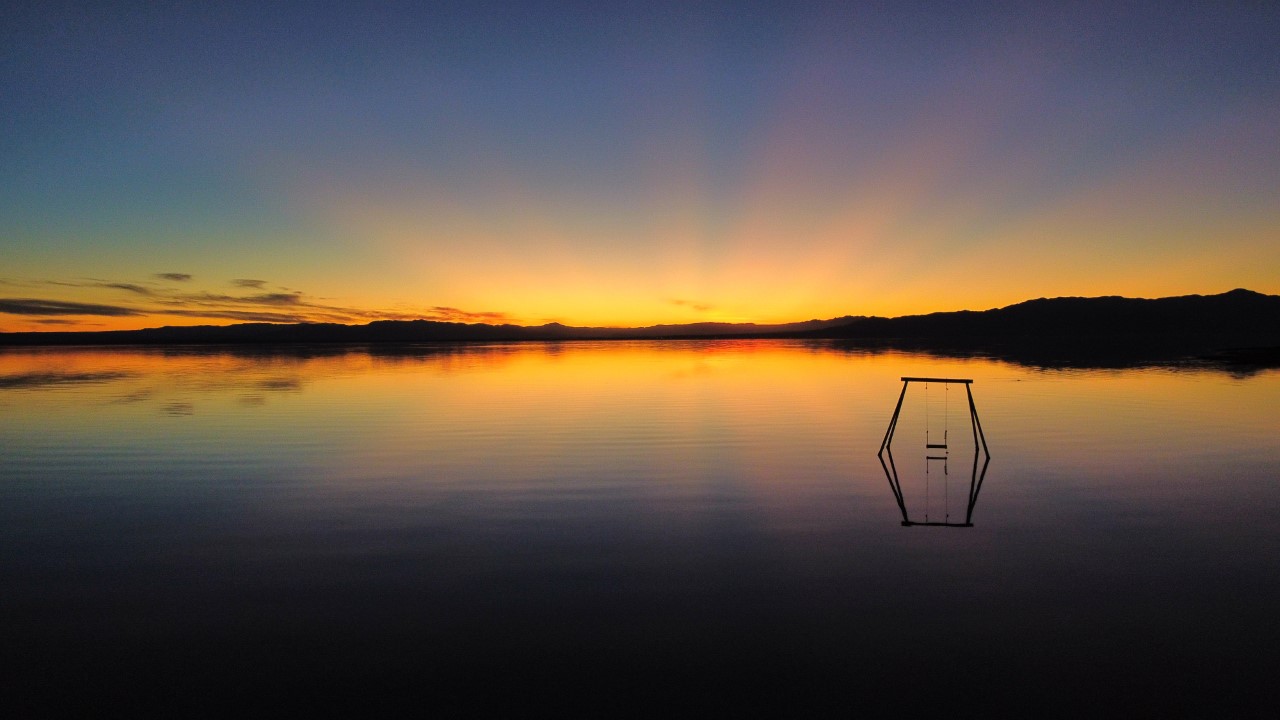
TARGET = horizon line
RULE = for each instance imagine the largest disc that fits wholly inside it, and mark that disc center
(556, 323)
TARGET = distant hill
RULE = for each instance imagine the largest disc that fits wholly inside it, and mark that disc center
(1236, 324)
(1062, 329)
(404, 331)
(1239, 312)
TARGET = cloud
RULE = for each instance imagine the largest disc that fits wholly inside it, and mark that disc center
(241, 315)
(31, 306)
(206, 299)
(131, 287)
(693, 305)
(284, 306)
(451, 314)
(274, 299)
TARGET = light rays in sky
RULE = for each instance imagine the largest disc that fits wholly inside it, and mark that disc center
(635, 166)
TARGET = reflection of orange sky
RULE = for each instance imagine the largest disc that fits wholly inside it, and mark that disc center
(762, 411)
(670, 418)
(740, 368)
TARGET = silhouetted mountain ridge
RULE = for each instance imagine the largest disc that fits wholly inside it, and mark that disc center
(1249, 315)
(393, 331)
(1240, 326)
(1110, 329)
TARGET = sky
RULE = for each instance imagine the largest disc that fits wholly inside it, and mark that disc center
(627, 163)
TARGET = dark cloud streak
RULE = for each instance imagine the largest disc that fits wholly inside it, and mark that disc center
(240, 315)
(698, 306)
(451, 314)
(286, 306)
(32, 306)
(263, 299)
(275, 299)
(131, 287)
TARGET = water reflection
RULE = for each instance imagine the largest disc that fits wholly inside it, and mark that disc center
(976, 477)
(324, 526)
(923, 491)
(39, 380)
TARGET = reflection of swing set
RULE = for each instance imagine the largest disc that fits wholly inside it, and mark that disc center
(937, 451)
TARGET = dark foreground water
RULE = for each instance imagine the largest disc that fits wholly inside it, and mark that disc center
(631, 528)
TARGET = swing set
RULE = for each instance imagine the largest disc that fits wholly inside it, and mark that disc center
(932, 446)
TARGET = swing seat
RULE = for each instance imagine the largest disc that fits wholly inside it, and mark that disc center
(939, 446)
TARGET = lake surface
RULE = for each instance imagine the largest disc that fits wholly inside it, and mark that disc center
(621, 527)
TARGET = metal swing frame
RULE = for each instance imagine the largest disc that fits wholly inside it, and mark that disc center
(979, 441)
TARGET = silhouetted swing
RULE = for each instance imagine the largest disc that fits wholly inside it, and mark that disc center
(931, 454)
(946, 407)
(930, 459)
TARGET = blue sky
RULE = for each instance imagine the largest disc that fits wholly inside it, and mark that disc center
(628, 163)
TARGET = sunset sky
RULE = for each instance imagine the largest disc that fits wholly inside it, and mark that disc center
(628, 163)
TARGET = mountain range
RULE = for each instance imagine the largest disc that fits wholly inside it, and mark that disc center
(1236, 324)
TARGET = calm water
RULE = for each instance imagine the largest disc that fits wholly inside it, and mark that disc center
(623, 527)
